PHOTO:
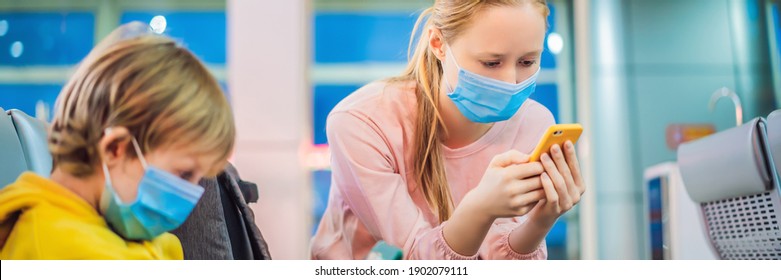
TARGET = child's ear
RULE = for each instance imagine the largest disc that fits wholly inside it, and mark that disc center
(112, 147)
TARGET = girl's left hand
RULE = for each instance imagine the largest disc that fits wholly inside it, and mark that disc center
(562, 182)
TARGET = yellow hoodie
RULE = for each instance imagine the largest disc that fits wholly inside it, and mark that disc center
(40, 219)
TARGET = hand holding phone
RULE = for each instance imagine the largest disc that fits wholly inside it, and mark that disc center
(556, 134)
(561, 179)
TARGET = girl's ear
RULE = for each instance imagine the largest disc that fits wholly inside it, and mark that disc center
(436, 43)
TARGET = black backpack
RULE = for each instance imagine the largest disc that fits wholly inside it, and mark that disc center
(222, 225)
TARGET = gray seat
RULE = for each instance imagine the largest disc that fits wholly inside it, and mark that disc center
(23, 146)
(733, 175)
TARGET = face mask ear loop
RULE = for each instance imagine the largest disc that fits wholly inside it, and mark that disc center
(138, 151)
(103, 162)
(105, 197)
(449, 54)
(106, 174)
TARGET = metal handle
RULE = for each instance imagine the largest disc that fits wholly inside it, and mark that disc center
(725, 92)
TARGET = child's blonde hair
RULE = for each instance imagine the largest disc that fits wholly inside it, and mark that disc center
(149, 84)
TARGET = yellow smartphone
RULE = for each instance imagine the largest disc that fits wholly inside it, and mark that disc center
(556, 134)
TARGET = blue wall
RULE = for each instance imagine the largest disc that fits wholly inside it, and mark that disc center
(203, 33)
(47, 38)
(57, 40)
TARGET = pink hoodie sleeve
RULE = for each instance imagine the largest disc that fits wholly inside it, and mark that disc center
(497, 243)
(364, 172)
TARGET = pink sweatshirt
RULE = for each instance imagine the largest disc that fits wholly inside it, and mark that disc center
(373, 192)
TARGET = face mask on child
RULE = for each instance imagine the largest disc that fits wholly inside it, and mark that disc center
(163, 203)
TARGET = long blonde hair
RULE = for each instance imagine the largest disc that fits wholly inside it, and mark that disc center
(451, 18)
(149, 84)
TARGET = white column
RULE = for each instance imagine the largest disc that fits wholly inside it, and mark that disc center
(267, 61)
(609, 214)
(587, 212)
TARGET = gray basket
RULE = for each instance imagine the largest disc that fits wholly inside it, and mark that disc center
(747, 227)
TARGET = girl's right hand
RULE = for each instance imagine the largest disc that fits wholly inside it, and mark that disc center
(510, 187)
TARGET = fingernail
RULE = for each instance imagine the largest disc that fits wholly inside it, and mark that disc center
(556, 148)
(569, 145)
(545, 156)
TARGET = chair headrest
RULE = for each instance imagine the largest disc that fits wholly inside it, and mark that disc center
(33, 138)
(732, 163)
(12, 159)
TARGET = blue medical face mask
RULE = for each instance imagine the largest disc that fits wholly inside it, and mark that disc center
(163, 203)
(485, 100)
